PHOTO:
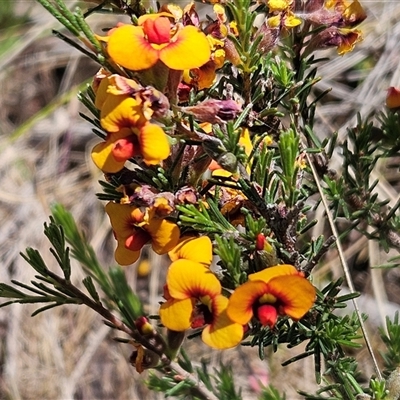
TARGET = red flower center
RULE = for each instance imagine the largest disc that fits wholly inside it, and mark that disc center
(124, 149)
(267, 314)
(158, 31)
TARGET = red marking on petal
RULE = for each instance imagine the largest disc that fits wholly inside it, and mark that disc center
(136, 241)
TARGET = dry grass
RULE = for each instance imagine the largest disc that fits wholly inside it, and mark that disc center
(67, 353)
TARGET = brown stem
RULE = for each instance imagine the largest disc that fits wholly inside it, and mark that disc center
(104, 312)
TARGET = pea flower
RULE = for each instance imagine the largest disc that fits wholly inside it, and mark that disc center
(274, 291)
(194, 298)
(155, 38)
(125, 112)
(134, 228)
(149, 141)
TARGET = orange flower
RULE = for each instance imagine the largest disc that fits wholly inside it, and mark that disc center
(124, 102)
(140, 47)
(148, 141)
(125, 111)
(279, 290)
(134, 228)
(194, 300)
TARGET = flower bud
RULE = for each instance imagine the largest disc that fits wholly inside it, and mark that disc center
(228, 162)
(144, 327)
(214, 111)
(393, 98)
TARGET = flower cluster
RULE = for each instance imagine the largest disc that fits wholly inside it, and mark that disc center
(174, 157)
(339, 19)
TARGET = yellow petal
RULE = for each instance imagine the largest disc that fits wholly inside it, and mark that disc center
(190, 279)
(128, 47)
(100, 86)
(191, 49)
(122, 218)
(292, 21)
(354, 13)
(279, 5)
(154, 144)
(223, 333)
(295, 294)
(120, 112)
(124, 256)
(240, 307)
(198, 249)
(349, 38)
(245, 141)
(176, 314)
(268, 273)
(164, 235)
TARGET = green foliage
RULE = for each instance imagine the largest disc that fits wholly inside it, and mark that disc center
(113, 283)
(391, 338)
(271, 393)
(271, 188)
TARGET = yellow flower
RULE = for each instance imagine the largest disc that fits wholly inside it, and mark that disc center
(140, 47)
(194, 300)
(274, 291)
(149, 141)
(134, 228)
(122, 103)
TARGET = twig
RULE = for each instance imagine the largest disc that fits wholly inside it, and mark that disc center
(116, 322)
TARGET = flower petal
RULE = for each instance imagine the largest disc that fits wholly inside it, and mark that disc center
(240, 307)
(100, 87)
(124, 256)
(278, 270)
(191, 49)
(120, 112)
(190, 279)
(164, 234)
(295, 293)
(198, 249)
(128, 47)
(103, 158)
(154, 144)
(176, 314)
(110, 156)
(223, 333)
(122, 218)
